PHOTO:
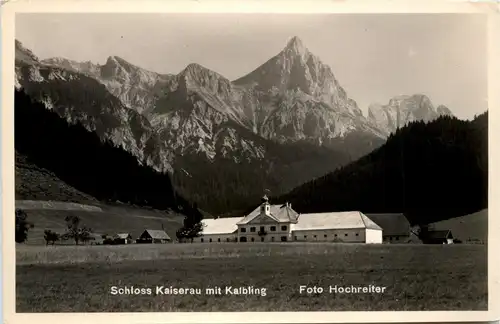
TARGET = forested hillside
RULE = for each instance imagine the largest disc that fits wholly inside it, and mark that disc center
(430, 171)
(84, 162)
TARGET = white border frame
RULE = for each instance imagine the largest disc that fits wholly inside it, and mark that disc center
(10, 8)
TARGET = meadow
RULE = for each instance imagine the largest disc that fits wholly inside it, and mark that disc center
(416, 277)
(107, 219)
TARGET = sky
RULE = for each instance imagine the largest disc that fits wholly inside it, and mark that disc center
(374, 56)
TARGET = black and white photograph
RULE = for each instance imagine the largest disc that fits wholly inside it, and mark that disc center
(250, 162)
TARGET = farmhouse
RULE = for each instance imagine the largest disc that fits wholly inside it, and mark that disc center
(153, 236)
(280, 223)
(396, 227)
(123, 238)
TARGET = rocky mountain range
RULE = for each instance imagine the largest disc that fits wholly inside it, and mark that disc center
(79, 98)
(288, 113)
(402, 110)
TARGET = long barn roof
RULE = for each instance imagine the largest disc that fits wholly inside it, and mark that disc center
(336, 220)
(220, 225)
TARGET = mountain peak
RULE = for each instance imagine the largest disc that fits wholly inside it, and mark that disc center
(295, 45)
(195, 67)
(196, 70)
(116, 60)
(23, 54)
(443, 110)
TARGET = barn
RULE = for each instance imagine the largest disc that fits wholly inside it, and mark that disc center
(396, 227)
(123, 238)
(153, 236)
(280, 223)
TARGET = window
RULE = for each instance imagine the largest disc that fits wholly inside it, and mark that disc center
(273, 228)
(218, 240)
(284, 228)
(315, 236)
(227, 240)
(243, 230)
(262, 228)
(397, 238)
(345, 234)
(283, 239)
(243, 239)
(253, 239)
(210, 240)
(262, 239)
(201, 240)
(305, 236)
(252, 229)
(325, 235)
(335, 235)
(295, 238)
(272, 238)
(357, 234)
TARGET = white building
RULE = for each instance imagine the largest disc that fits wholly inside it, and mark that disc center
(219, 230)
(280, 223)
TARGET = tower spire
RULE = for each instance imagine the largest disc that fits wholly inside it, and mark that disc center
(265, 208)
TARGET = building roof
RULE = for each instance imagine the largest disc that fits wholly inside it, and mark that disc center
(280, 213)
(123, 235)
(436, 235)
(220, 225)
(157, 234)
(337, 220)
(392, 224)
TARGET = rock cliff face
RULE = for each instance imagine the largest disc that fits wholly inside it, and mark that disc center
(137, 88)
(77, 97)
(297, 97)
(404, 109)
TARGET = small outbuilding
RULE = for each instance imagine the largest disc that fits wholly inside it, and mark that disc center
(154, 236)
(438, 237)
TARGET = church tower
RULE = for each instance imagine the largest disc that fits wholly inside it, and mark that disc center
(265, 207)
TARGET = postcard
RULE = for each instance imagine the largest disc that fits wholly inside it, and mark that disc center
(217, 162)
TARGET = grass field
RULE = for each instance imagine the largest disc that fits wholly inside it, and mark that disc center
(108, 220)
(416, 277)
